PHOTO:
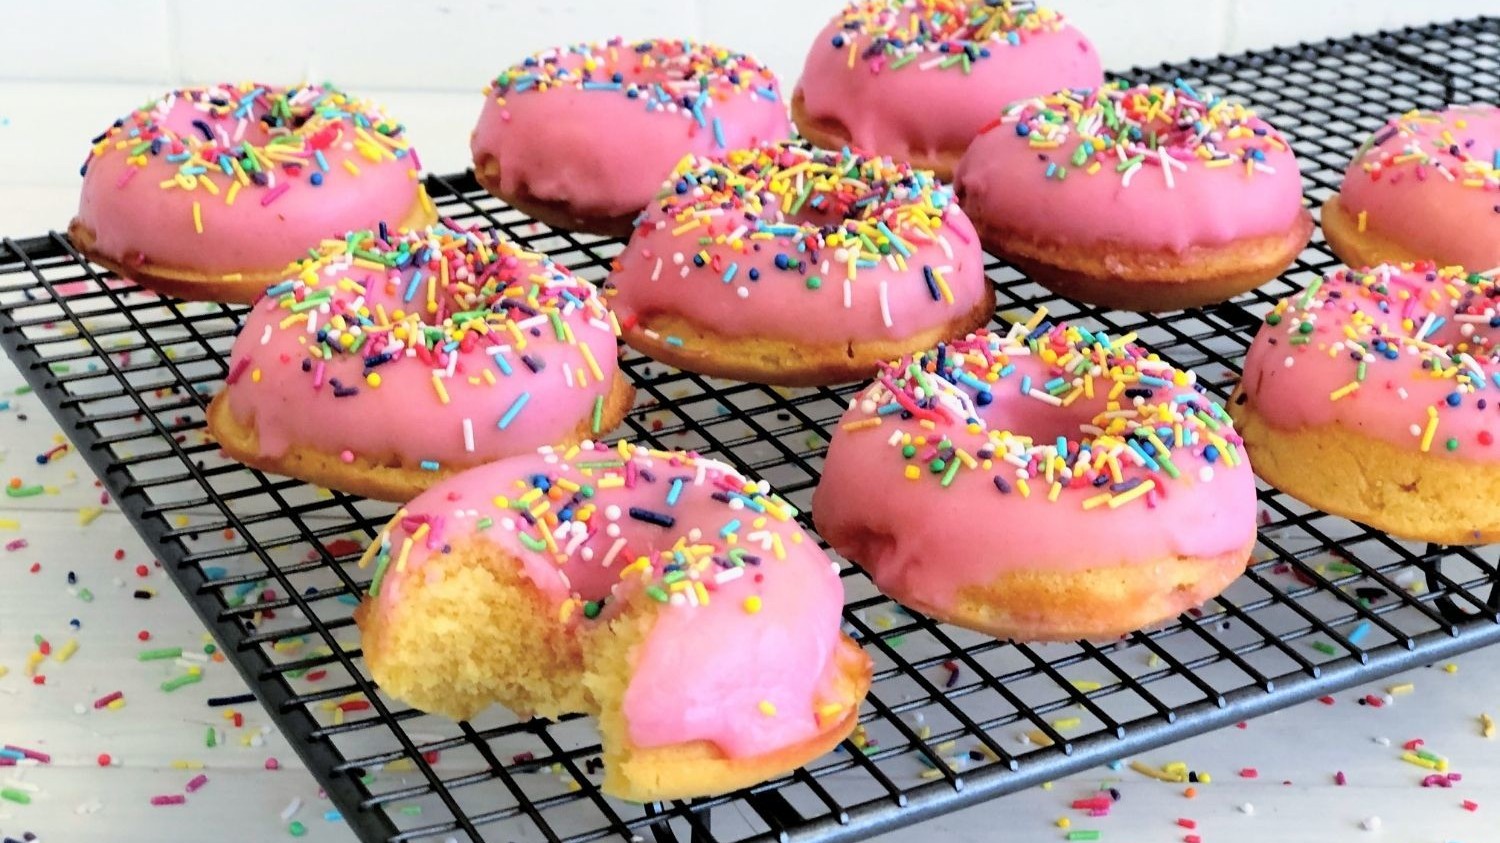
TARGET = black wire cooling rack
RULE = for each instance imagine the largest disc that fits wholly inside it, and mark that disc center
(953, 718)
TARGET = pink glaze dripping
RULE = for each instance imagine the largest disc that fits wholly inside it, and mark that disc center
(926, 542)
(785, 273)
(922, 109)
(705, 669)
(1031, 183)
(267, 226)
(1431, 181)
(604, 153)
(1293, 386)
(289, 395)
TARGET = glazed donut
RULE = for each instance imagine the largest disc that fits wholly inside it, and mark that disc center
(1426, 187)
(1046, 484)
(209, 193)
(1138, 198)
(388, 362)
(581, 137)
(792, 266)
(662, 592)
(919, 79)
(1373, 395)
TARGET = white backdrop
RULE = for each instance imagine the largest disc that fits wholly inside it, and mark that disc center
(455, 45)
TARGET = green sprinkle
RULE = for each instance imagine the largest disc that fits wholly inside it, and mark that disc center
(598, 413)
(412, 810)
(20, 797)
(178, 681)
(1324, 648)
(158, 655)
(85, 595)
(210, 649)
(485, 523)
(656, 593)
(814, 282)
(297, 829)
(23, 491)
(532, 542)
(950, 473)
(1453, 444)
(211, 738)
(1083, 835)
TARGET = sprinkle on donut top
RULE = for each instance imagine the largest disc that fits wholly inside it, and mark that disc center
(1447, 319)
(253, 137)
(1427, 144)
(939, 34)
(822, 211)
(1152, 416)
(683, 77)
(1121, 129)
(436, 294)
(554, 513)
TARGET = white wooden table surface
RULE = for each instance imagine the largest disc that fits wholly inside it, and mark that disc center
(156, 735)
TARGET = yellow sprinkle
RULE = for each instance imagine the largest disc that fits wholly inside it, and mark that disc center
(442, 391)
(767, 708)
(752, 604)
(351, 167)
(1038, 737)
(1067, 723)
(1160, 775)
(1343, 390)
(67, 650)
(197, 218)
(913, 473)
(872, 421)
(1064, 822)
(1450, 667)
(1404, 688)
(1486, 724)
(588, 357)
(87, 515)
(234, 190)
(187, 765)
(1413, 758)
(1363, 219)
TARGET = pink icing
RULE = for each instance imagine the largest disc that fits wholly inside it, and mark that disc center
(787, 274)
(923, 109)
(605, 153)
(267, 226)
(997, 516)
(1294, 385)
(1239, 181)
(1431, 180)
(706, 668)
(278, 385)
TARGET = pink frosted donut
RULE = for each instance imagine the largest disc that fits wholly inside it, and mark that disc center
(208, 193)
(1426, 187)
(662, 592)
(1375, 395)
(1141, 198)
(580, 137)
(387, 362)
(1044, 484)
(787, 265)
(919, 79)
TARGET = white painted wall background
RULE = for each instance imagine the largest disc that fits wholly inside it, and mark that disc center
(68, 67)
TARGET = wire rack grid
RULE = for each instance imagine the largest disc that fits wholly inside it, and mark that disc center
(953, 718)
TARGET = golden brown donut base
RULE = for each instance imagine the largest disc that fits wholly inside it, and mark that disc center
(829, 133)
(1426, 497)
(1360, 249)
(556, 214)
(1122, 277)
(1096, 603)
(192, 285)
(381, 479)
(472, 630)
(785, 362)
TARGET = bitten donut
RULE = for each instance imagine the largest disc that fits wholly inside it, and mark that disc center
(389, 361)
(1138, 198)
(918, 79)
(1375, 395)
(1426, 187)
(1044, 484)
(209, 193)
(581, 137)
(659, 591)
(794, 266)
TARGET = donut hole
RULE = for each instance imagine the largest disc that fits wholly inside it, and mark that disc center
(1026, 416)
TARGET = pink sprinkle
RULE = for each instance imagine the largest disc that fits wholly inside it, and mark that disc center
(346, 456)
(273, 764)
(1192, 838)
(274, 193)
(126, 176)
(15, 545)
(7, 762)
(318, 375)
(31, 753)
(1455, 777)
(1470, 805)
(1339, 778)
(1249, 773)
(1187, 823)
(172, 799)
(105, 700)
(416, 160)
(197, 782)
(238, 369)
(1099, 812)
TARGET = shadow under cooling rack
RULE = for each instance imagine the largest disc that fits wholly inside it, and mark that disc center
(953, 717)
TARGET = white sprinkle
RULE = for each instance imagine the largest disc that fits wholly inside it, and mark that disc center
(469, 435)
(1247, 808)
(614, 550)
(265, 336)
(1382, 741)
(885, 303)
(291, 808)
(1371, 824)
(848, 293)
(742, 292)
(1166, 168)
(656, 273)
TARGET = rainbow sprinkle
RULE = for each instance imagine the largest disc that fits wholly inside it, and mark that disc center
(1122, 129)
(823, 215)
(1432, 143)
(216, 141)
(938, 34)
(683, 77)
(1150, 415)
